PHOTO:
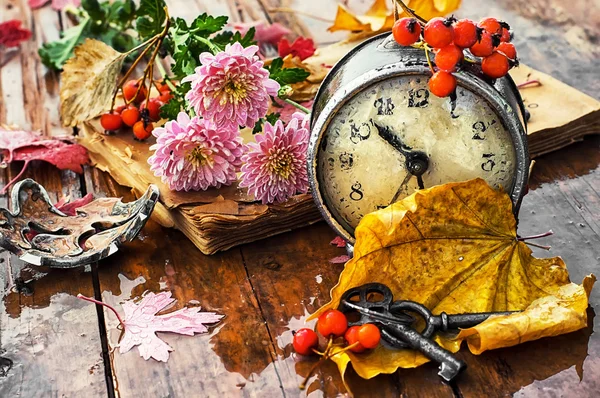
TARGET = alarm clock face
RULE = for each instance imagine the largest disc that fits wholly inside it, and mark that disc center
(395, 137)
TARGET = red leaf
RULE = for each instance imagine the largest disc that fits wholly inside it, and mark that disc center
(69, 208)
(28, 146)
(338, 241)
(62, 155)
(11, 33)
(302, 47)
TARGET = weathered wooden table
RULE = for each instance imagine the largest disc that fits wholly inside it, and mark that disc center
(59, 345)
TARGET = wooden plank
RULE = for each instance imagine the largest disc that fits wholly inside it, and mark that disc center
(292, 277)
(565, 198)
(234, 359)
(49, 340)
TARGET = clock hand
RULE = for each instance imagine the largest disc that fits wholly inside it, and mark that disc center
(401, 187)
(416, 161)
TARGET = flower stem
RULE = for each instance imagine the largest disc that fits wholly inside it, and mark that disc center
(91, 300)
(410, 11)
(429, 60)
(297, 105)
(213, 49)
(163, 73)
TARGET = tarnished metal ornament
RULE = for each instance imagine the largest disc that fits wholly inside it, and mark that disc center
(40, 234)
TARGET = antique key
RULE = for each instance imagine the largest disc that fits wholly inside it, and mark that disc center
(397, 325)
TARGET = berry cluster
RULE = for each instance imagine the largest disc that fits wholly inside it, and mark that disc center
(449, 38)
(332, 324)
(139, 110)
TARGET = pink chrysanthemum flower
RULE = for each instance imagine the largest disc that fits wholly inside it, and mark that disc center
(231, 88)
(275, 166)
(192, 154)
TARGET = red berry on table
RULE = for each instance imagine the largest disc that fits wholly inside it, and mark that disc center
(507, 49)
(448, 57)
(406, 31)
(465, 33)
(111, 121)
(491, 25)
(495, 66)
(165, 97)
(438, 32)
(153, 108)
(483, 47)
(332, 322)
(130, 115)
(505, 35)
(120, 108)
(131, 93)
(142, 132)
(442, 84)
(351, 338)
(369, 336)
(304, 341)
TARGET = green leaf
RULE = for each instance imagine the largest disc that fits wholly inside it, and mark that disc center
(171, 109)
(272, 118)
(94, 9)
(150, 18)
(55, 54)
(285, 76)
(227, 37)
(205, 25)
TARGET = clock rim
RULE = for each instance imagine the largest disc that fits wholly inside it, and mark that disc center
(464, 79)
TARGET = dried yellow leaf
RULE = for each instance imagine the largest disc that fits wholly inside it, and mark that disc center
(88, 81)
(454, 248)
(379, 18)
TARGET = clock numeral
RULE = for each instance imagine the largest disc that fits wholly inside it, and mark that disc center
(489, 164)
(418, 98)
(356, 193)
(481, 127)
(331, 162)
(359, 133)
(346, 160)
(384, 106)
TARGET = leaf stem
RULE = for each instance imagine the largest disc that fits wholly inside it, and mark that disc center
(297, 105)
(91, 300)
(428, 59)
(530, 83)
(211, 46)
(536, 236)
(163, 73)
(410, 11)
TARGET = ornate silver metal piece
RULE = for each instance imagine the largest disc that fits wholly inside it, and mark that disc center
(379, 59)
(40, 234)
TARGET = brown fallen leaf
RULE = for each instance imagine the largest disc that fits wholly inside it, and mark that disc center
(379, 18)
(454, 248)
(88, 81)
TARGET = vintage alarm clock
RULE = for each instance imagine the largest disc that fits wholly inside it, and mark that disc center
(378, 134)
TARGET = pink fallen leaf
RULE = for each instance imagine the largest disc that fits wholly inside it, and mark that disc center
(141, 324)
(265, 33)
(56, 4)
(70, 207)
(28, 146)
(13, 139)
(340, 259)
(338, 241)
(11, 33)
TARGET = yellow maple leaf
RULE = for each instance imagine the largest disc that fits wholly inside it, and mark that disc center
(454, 248)
(381, 18)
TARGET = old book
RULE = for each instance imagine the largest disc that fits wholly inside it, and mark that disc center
(214, 220)
(560, 114)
